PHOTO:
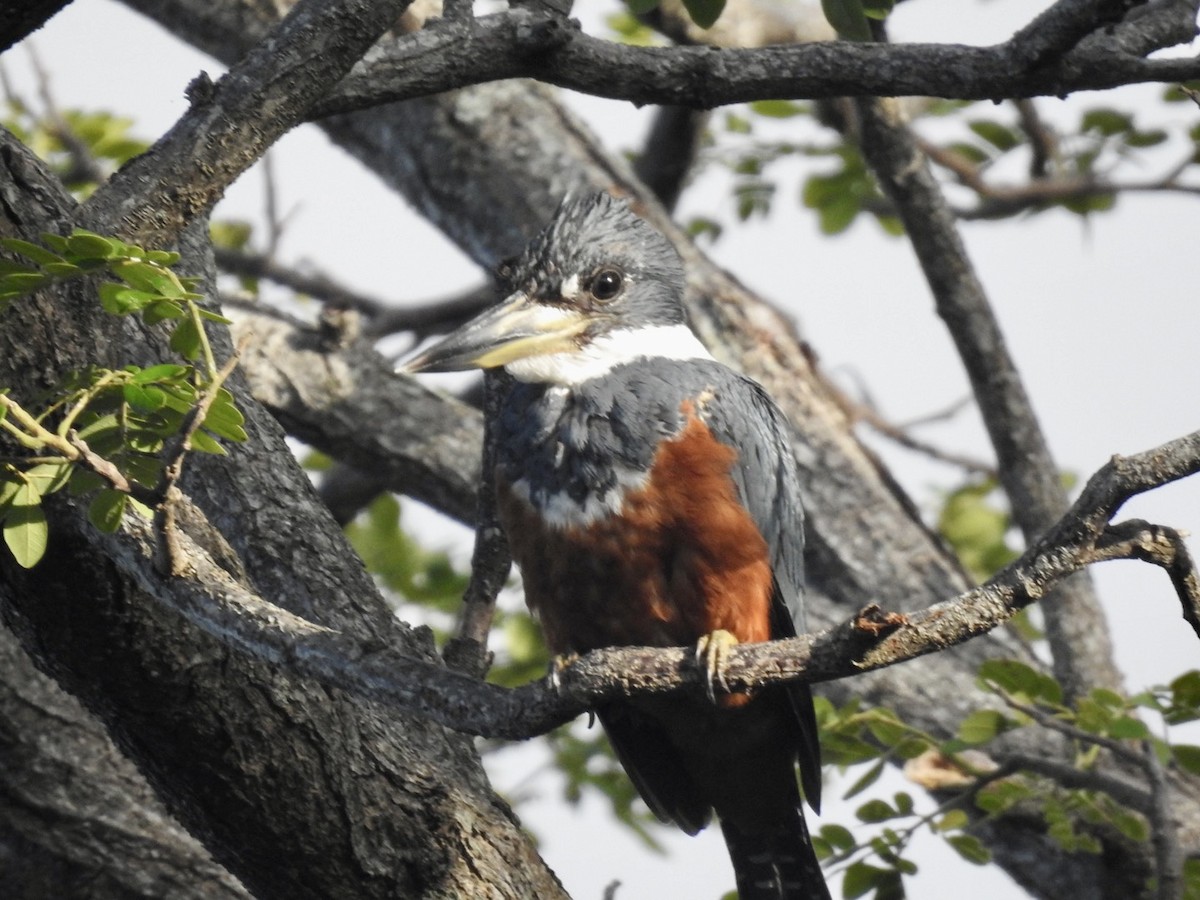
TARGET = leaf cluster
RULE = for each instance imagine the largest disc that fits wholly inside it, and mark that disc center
(103, 430)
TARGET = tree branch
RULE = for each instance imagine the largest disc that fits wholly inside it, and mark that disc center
(1080, 647)
(223, 607)
(522, 43)
(232, 123)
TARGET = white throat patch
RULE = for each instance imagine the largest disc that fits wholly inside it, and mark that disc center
(607, 352)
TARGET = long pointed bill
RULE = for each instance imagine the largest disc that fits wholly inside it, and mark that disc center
(517, 328)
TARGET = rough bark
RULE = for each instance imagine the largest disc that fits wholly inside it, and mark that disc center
(300, 791)
(76, 818)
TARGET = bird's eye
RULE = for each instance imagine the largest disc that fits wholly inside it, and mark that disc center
(606, 284)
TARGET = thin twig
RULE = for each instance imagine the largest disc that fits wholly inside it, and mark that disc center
(491, 560)
(901, 436)
(1164, 831)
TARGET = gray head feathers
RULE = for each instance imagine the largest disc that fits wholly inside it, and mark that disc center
(596, 235)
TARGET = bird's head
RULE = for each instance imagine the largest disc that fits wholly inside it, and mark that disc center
(598, 287)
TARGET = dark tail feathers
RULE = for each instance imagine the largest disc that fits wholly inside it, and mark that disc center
(776, 864)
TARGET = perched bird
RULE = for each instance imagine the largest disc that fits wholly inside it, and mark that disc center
(649, 495)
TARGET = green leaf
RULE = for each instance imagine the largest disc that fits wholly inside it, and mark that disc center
(206, 444)
(149, 277)
(848, 18)
(704, 12)
(107, 509)
(1018, 678)
(1107, 122)
(46, 478)
(981, 726)
(637, 7)
(88, 245)
(119, 300)
(186, 340)
(26, 534)
(1001, 795)
(970, 848)
(865, 781)
(38, 254)
(11, 267)
(777, 109)
(226, 420)
(162, 310)
(161, 372)
(8, 492)
(904, 803)
(1129, 728)
(1187, 757)
(84, 481)
(999, 136)
(163, 257)
(211, 316)
(149, 399)
(860, 878)
(62, 270)
(17, 283)
(838, 836)
(878, 9)
(953, 820)
(874, 811)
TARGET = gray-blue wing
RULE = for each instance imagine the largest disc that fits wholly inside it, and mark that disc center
(741, 415)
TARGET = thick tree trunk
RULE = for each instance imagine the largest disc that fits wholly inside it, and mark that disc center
(300, 791)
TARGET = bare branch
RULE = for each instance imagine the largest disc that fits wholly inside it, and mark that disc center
(522, 43)
(382, 317)
(232, 123)
(491, 560)
(1080, 647)
(214, 601)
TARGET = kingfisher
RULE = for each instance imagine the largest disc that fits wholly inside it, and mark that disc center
(650, 497)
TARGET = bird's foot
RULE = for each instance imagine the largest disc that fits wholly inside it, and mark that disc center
(712, 654)
(559, 664)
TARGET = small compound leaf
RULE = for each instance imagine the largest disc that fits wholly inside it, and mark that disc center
(38, 254)
(46, 478)
(161, 372)
(26, 534)
(1187, 757)
(981, 726)
(186, 339)
(119, 300)
(161, 310)
(838, 836)
(205, 443)
(704, 12)
(970, 848)
(86, 245)
(860, 878)
(865, 781)
(107, 509)
(147, 399)
(144, 276)
(848, 18)
(875, 811)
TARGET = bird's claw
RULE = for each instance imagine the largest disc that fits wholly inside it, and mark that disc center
(712, 654)
(559, 664)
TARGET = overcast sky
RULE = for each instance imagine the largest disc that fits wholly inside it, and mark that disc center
(1101, 316)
